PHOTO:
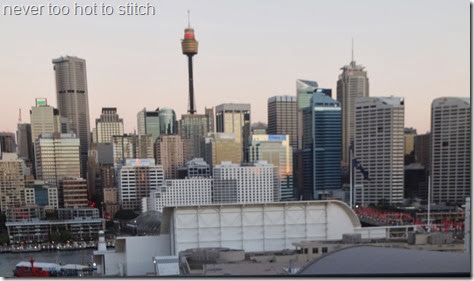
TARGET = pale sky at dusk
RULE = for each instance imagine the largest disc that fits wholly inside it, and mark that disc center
(248, 52)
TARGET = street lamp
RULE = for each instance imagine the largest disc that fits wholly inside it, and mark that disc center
(154, 265)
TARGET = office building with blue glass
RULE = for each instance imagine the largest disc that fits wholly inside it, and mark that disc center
(321, 146)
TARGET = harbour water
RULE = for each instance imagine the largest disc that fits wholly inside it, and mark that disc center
(9, 260)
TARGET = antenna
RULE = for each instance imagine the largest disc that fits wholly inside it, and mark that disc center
(189, 19)
(19, 115)
(352, 58)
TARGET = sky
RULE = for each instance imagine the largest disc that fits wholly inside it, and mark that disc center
(248, 52)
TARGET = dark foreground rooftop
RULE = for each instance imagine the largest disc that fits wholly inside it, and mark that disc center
(381, 261)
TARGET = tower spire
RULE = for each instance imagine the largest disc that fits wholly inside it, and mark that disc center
(352, 57)
(189, 19)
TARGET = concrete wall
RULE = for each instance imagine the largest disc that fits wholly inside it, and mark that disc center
(140, 251)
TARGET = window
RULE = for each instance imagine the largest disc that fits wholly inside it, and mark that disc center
(324, 250)
(315, 250)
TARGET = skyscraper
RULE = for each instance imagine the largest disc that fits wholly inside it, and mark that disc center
(353, 82)
(169, 152)
(124, 147)
(379, 147)
(422, 150)
(7, 142)
(109, 124)
(72, 193)
(282, 118)
(235, 118)
(73, 100)
(451, 149)
(148, 123)
(44, 119)
(193, 128)
(168, 124)
(25, 145)
(276, 150)
(57, 157)
(321, 146)
(12, 181)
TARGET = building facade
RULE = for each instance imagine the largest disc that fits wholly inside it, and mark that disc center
(168, 123)
(72, 193)
(422, 150)
(321, 146)
(235, 118)
(7, 142)
(44, 119)
(25, 144)
(276, 150)
(282, 118)
(379, 147)
(148, 123)
(222, 147)
(169, 153)
(57, 156)
(12, 182)
(109, 124)
(136, 179)
(73, 101)
(193, 128)
(451, 149)
(256, 183)
(353, 82)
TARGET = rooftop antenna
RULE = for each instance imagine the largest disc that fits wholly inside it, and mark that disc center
(189, 19)
(352, 58)
(19, 115)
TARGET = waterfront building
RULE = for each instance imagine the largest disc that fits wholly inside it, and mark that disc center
(451, 149)
(379, 148)
(72, 193)
(42, 194)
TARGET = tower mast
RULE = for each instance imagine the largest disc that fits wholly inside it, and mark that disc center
(189, 46)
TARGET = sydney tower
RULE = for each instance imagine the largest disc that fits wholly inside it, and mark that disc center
(190, 48)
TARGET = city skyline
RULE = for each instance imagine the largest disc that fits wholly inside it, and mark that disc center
(242, 61)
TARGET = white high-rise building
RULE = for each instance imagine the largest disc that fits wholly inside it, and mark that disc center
(379, 147)
(57, 156)
(136, 179)
(182, 192)
(256, 183)
(451, 149)
(353, 82)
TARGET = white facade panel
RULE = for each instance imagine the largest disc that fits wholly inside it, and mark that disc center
(258, 227)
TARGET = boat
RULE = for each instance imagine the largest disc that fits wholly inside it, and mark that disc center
(43, 269)
(29, 269)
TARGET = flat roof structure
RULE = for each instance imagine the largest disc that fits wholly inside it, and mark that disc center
(372, 261)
